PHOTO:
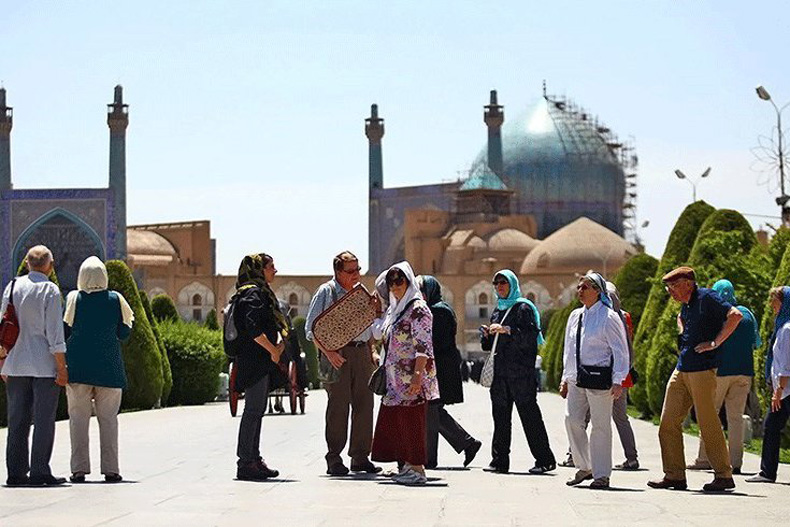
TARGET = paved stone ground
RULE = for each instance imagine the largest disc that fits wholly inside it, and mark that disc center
(180, 467)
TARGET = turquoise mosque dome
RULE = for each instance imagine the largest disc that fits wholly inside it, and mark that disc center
(562, 165)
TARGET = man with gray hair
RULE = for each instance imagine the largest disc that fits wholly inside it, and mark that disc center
(33, 371)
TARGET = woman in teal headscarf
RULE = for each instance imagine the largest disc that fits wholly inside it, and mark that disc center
(513, 336)
(734, 377)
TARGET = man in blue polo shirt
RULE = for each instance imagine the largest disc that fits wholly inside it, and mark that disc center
(705, 321)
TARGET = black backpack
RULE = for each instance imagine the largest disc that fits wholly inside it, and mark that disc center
(231, 342)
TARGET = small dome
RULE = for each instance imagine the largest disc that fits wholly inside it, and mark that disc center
(577, 248)
(511, 240)
(148, 242)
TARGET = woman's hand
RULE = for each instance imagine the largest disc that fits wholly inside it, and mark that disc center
(3, 353)
(776, 400)
(415, 387)
(563, 389)
(498, 328)
(277, 352)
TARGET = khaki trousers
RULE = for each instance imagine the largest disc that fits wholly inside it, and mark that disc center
(107, 401)
(350, 392)
(732, 391)
(684, 390)
(593, 454)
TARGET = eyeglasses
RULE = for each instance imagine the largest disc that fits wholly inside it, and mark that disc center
(352, 271)
(398, 280)
(671, 286)
(582, 287)
(499, 282)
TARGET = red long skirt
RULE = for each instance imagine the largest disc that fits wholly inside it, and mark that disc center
(400, 434)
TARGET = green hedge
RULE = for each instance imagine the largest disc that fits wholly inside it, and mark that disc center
(677, 251)
(167, 374)
(634, 281)
(196, 358)
(141, 356)
(164, 308)
(555, 341)
(310, 352)
(212, 322)
(778, 246)
(22, 270)
(726, 247)
(781, 278)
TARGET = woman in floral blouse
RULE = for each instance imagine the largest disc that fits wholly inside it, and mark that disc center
(411, 377)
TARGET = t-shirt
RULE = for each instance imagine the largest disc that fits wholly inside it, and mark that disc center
(703, 317)
(735, 353)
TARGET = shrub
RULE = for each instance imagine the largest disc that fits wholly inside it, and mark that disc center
(778, 246)
(633, 282)
(141, 357)
(555, 342)
(310, 352)
(167, 374)
(22, 270)
(164, 308)
(211, 321)
(545, 320)
(724, 248)
(677, 251)
(196, 358)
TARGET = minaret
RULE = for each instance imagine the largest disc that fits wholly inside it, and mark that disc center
(374, 130)
(493, 116)
(6, 122)
(118, 120)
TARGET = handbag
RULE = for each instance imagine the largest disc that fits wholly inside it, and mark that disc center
(378, 380)
(487, 374)
(9, 324)
(591, 377)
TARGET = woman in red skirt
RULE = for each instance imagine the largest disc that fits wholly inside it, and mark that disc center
(411, 377)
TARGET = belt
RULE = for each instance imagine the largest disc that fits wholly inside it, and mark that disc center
(357, 343)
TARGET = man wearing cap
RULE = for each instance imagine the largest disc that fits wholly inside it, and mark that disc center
(705, 321)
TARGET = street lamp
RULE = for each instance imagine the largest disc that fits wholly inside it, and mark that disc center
(681, 175)
(782, 200)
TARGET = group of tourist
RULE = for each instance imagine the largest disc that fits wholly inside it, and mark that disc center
(421, 365)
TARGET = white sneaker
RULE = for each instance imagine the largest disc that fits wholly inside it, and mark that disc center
(405, 469)
(759, 478)
(411, 478)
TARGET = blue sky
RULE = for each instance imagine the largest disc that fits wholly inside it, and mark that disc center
(250, 114)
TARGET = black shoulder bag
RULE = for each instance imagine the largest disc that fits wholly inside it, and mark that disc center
(591, 377)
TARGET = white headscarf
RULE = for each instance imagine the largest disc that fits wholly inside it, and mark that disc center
(396, 307)
(92, 278)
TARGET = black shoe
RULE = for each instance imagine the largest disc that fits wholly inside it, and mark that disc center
(542, 469)
(77, 477)
(111, 478)
(22, 481)
(251, 472)
(719, 485)
(628, 464)
(736, 471)
(367, 467)
(266, 471)
(46, 481)
(471, 451)
(338, 469)
(497, 469)
(664, 483)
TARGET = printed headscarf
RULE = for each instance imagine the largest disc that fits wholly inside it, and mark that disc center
(781, 319)
(599, 283)
(726, 291)
(514, 297)
(251, 275)
(431, 291)
(396, 307)
(92, 277)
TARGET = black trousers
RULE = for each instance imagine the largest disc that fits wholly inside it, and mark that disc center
(256, 398)
(505, 392)
(772, 438)
(441, 422)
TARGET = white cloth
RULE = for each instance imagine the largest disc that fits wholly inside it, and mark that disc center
(396, 307)
(38, 308)
(602, 338)
(780, 367)
(593, 454)
(92, 278)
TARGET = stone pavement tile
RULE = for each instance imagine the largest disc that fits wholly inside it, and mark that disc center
(180, 464)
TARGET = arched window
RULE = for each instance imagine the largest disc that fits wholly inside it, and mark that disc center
(197, 300)
(293, 299)
(482, 298)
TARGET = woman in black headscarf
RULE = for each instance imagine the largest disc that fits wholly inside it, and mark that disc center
(448, 373)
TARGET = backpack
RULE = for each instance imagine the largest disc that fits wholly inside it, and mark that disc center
(231, 342)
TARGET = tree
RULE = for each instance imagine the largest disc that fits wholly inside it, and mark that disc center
(141, 356)
(677, 251)
(22, 270)
(555, 342)
(167, 374)
(634, 281)
(211, 321)
(164, 308)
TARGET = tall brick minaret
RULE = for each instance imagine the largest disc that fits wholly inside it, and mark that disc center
(118, 120)
(374, 130)
(6, 122)
(493, 116)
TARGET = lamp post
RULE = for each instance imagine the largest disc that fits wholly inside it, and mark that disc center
(681, 175)
(782, 200)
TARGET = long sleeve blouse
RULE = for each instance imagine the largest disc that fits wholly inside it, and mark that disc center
(780, 367)
(603, 342)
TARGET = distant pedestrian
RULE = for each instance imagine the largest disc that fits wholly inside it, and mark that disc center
(513, 336)
(33, 371)
(448, 373)
(777, 373)
(595, 364)
(97, 320)
(705, 322)
(411, 377)
(733, 378)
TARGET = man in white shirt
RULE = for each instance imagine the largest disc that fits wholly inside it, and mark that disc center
(595, 334)
(34, 370)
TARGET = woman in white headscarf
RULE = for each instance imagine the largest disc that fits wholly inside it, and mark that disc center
(411, 376)
(97, 320)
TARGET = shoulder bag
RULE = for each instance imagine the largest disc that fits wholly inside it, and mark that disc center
(9, 324)
(591, 377)
(487, 375)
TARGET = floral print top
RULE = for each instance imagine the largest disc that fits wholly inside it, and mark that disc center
(410, 336)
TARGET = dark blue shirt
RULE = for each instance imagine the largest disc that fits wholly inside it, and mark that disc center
(703, 317)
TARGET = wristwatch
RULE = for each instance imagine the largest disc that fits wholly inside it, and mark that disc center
(713, 344)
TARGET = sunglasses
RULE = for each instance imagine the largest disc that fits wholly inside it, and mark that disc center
(582, 287)
(353, 271)
(398, 280)
(499, 282)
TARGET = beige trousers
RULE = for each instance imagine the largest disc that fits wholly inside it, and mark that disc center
(732, 391)
(82, 398)
(684, 390)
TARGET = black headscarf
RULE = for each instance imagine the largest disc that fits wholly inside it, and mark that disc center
(432, 292)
